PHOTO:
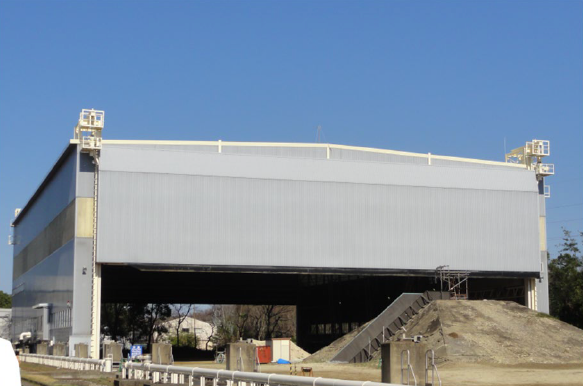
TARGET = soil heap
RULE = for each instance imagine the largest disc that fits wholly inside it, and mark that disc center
(497, 332)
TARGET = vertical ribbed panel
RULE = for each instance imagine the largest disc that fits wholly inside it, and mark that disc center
(356, 155)
(277, 151)
(50, 281)
(462, 164)
(181, 219)
(56, 195)
(190, 148)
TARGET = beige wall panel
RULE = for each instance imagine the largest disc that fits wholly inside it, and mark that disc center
(543, 233)
(84, 217)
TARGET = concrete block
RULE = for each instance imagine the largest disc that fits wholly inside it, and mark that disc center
(241, 356)
(114, 350)
(82, 350)
(42, 348)
(162, 354)
(60, 349)
(391, 358)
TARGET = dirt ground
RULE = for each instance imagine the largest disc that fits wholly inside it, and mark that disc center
(458, 374)
(33, 374)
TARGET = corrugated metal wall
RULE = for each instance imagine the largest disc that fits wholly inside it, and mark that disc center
(58, 193)
(44, 254)
(164, 207)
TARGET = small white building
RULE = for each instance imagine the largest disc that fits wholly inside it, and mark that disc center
(5, 318)
(189, 325)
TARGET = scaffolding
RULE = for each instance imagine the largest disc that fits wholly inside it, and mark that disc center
(455, 283)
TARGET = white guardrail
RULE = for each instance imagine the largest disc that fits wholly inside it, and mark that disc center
(198, 376)
(73, 363)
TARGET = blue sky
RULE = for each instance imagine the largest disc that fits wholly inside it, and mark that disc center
(446, 77)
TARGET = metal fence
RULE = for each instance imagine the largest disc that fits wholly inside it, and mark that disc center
(72, 363)
(198, 377)
(188, 375)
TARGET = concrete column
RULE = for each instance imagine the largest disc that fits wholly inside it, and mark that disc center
(96, 313)
(541, 286)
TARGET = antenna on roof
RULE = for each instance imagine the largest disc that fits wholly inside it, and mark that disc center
(318, 131)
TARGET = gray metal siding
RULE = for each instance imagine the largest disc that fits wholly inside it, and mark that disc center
(276, 151)
(81, 299)
(53, 237)
(268, 211)
(462, 164)
(355, 155)
(187, 148)
(85, 176)
(59, 192)
(51, 281)
(315, 170)
(542, 285)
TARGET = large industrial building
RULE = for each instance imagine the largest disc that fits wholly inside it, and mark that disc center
(339, 231)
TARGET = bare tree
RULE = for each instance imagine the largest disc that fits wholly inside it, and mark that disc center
(155, 314)
(274, 318)
(181, 311)
(259, 322)
(207, 315)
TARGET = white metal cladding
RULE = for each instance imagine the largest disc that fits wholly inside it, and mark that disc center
(355, 155)
(162, 207)
(192, 148)
(461, 164)
(316, 170)
(279, 151)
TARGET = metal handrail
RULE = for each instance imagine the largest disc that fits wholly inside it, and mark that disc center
(74, 363)
(433, 368)
(409, 368)
(188, 375)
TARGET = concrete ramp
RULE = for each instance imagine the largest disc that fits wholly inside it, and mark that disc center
(395, 316)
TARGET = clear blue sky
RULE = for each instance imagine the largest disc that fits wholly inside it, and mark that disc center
(446, 77)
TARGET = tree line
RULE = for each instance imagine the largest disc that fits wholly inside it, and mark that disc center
(146, 323)
(566, 281)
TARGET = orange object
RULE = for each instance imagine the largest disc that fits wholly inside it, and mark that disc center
(264, 354)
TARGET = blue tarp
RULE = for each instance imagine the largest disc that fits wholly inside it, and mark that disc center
(283, 362)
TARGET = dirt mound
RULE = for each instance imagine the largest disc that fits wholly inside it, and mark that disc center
(495, 332)
(297, 353)
(328, 352)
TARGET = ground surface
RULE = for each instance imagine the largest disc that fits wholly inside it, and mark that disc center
(478, 343)
(33, 374)
(464, 374)
(461, 374)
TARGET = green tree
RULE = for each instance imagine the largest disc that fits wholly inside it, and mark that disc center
(187, 340)
(5, 300)
(154, 316)
(566, 282)
(181, 311)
